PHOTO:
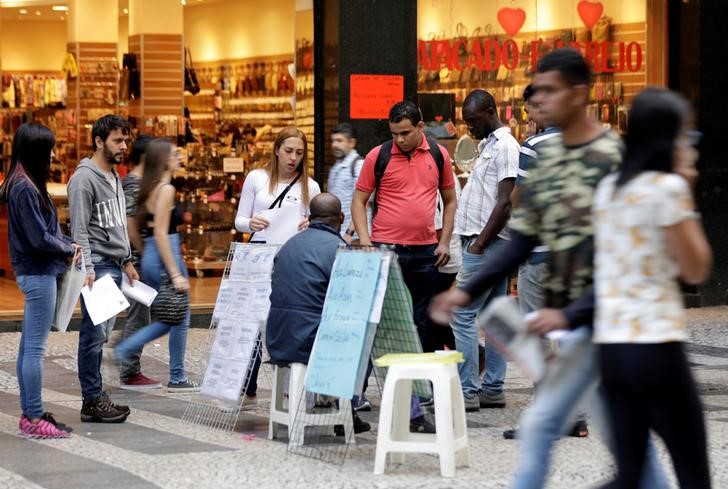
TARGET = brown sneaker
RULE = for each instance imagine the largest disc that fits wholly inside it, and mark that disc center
(102, 410)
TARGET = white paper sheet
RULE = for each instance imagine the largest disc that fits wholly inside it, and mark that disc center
(283, 223)
(140, 292)
(506, 327)
(104, 301)
(224, 378)
(376, 315)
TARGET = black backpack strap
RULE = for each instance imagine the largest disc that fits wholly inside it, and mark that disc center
(436, 153)
(385, 154)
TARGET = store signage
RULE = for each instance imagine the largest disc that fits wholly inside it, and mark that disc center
(233, 165)
(371, 96)
(491, 54)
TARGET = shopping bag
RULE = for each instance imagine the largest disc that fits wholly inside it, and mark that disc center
(69, 292)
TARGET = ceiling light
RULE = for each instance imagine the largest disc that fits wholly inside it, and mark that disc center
(59, 8)
(183, 2)
(37, 12)
(22, 11)
(126, 11)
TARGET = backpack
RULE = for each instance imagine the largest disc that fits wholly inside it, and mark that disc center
(385, 154)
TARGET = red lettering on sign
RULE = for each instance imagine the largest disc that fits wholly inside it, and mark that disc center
(423, 57)
(475, 56)
(510, 55)
(455, 54)
(488, 55)
(638, 55)
(492, 47)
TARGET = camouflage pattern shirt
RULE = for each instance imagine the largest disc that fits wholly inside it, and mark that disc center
(556, 207)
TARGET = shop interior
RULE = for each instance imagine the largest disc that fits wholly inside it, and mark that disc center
(245, 59)
(253, 63)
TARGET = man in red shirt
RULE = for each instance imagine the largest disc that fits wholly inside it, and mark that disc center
(406, 199)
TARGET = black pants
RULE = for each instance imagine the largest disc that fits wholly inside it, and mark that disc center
(439, 336)
(420, 276)
(650, 386)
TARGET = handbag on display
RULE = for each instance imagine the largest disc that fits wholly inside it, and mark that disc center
(170, 306)
(602, 30)
(191, 83)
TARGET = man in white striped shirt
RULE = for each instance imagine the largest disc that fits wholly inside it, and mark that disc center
(532, 273)
(345, 172)
(482, 214)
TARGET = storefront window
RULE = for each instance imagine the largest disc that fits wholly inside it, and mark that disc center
(468, 44)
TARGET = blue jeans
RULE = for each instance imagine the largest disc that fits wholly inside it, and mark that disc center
(40, 304)
(465, 331)
(531, 277)
(152, 267)
(91, 338)
(568, 382)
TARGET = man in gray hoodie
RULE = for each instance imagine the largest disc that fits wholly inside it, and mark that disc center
(98, 225)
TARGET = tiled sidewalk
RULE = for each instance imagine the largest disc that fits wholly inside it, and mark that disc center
(154, 448)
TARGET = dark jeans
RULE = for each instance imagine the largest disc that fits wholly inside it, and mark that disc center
(441, 336)
(649, 386)
(420, 276)
(91, 338)
(252, 381)
(137, 317)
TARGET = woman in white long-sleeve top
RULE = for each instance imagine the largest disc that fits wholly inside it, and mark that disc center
(283, 182)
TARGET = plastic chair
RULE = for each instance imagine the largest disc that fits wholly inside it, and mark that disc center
(451, 438)
(297, 420)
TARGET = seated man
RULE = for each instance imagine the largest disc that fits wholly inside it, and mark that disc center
(301, 273)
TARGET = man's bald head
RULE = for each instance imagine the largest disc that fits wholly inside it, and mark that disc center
(326, 208)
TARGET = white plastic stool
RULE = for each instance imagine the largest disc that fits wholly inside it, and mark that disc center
(296, 391)
(394, 435)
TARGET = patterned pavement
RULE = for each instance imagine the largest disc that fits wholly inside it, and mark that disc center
(154, 448)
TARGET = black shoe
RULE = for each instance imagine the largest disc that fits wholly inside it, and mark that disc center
(120, 407)
(510, 434)
(49, 417)
(421, 425)
(360, 426)
(489, 401)
(102, 410)
(580, 429)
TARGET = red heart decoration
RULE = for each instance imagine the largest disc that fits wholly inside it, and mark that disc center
(590, 12)
(511, 19)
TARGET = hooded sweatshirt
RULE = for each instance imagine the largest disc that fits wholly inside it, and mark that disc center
(98, 214)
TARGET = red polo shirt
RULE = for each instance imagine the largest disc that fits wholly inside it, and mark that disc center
(407, 194)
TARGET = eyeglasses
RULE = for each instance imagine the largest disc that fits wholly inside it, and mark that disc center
(694, 137)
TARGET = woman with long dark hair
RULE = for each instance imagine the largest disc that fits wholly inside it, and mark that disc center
(158, 216)
(39, 254)
(648, 236)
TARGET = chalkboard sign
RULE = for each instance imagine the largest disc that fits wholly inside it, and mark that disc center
(340, 343)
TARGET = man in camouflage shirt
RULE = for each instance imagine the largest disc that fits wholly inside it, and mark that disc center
(555, 209)
(131, 376)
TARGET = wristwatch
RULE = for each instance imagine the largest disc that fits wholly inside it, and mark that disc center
(350, 232)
